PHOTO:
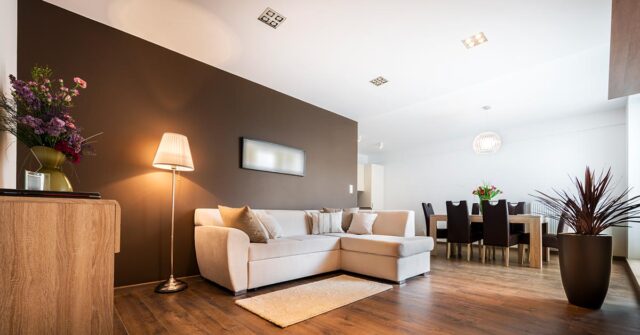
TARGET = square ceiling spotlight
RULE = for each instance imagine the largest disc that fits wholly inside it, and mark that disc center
(271, 18)
(475, 40)
(378, 81)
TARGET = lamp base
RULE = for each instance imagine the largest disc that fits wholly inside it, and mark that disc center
(172, 285)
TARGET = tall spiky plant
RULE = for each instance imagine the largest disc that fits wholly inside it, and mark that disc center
(594, 207)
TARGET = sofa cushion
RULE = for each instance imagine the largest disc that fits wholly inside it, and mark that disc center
(347, 215)
(293, 245)
(323, 223)
(244, 219)
(362, 223)
(292, 222)
(387, 245)
(270, 224)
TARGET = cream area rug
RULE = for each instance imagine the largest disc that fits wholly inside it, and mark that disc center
(299, 303)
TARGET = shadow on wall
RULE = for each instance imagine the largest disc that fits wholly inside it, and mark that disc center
(148, 240)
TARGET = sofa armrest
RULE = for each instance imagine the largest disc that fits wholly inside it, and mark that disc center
(223, 256)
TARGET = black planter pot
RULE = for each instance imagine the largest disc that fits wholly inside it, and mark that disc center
(585, 267)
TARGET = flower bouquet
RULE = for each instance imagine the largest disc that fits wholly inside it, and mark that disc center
(486, 192)
(38, 114)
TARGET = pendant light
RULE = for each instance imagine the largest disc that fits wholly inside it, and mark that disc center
(487, 142)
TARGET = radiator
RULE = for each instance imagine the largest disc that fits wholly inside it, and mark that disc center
(540, 209)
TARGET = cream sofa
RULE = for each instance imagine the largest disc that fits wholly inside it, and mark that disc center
(226, 257)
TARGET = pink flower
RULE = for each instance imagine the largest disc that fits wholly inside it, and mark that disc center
(71, 125)
(75, 92)
(80, 82)
(64, 89)
(67, 98)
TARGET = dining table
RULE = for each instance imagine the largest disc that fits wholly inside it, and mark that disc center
(532, 222)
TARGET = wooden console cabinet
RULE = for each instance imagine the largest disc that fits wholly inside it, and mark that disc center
(56, 265)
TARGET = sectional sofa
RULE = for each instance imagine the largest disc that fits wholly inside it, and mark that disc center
(226, 257)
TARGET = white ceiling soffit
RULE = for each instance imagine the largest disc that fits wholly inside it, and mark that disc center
(326, 52)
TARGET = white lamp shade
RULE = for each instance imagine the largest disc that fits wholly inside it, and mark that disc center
(487, 142)
(173, 153)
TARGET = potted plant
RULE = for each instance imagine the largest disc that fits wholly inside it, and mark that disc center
(38, 114)
(586, 253)
(486, 192)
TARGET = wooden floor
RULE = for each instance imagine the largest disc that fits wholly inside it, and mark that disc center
(457, 298)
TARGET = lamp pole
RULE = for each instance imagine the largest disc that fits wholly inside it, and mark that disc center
(172, 285)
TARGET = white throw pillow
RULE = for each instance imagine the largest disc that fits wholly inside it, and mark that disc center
(271, 224)
(326, 223)
(362, 223)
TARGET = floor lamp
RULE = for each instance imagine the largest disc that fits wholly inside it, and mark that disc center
(173, 154)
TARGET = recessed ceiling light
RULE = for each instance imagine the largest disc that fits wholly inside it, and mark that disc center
(474, 40)
(378, 81)
(271, 18)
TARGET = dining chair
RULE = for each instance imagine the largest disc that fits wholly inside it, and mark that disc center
(551, 240)
(497, 231)
(475, 209)
(516, 208)
(427, 208)
(459, 228)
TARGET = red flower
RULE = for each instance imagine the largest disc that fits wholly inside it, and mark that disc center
(65, 148)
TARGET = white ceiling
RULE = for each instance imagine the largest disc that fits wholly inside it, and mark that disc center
(544, 58)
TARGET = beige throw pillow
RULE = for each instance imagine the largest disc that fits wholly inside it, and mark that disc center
(347, 215)
(244, 219)
(362, 223)
(271, 224)
(324, 223)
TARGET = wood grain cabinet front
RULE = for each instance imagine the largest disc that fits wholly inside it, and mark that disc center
(56, 265)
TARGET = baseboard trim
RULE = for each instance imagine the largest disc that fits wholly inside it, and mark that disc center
(152, 282)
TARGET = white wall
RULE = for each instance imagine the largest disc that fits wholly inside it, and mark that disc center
(8, 61)
(633, 139)
(533, 157)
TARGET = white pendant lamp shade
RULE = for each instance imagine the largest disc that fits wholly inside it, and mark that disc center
(173, 153)
(487, 142)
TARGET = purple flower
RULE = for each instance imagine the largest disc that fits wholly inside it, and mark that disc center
(55, 127)
(35, 123)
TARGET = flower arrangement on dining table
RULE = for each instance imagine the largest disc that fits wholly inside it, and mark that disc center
(38, 113)
(486, 192)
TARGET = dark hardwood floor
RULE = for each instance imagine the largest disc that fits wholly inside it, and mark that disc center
(458, 297)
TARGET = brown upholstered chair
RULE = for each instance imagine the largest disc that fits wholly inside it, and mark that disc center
(427, 208)
(516, 209)
(497, 232)
(475, 209)
(551, 240)
(459, 228)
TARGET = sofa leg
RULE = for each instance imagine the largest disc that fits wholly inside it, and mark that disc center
(448, 250)
(483, 253)
(402, 282)
(426, 274)
(468, 252)
(239, 293)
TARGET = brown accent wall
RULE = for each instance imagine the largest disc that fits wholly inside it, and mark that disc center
(138, 90)
(624, 60)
